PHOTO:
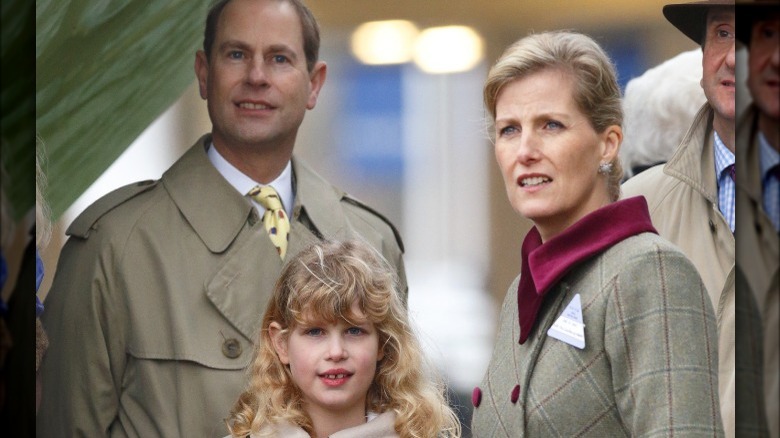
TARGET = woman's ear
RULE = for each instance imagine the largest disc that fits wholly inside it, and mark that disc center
(611, 140)
(279, 341)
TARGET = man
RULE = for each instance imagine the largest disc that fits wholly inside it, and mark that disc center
(758, 183)
(162, 284)
(691, 197)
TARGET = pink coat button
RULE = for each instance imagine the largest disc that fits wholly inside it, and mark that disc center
(515, 394)
(476, 397)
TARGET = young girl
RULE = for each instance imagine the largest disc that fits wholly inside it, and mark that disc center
(336, 356)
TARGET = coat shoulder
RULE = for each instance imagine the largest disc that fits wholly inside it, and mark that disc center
(372, 217)
(87, 220)
(636, 250)
(654, 184)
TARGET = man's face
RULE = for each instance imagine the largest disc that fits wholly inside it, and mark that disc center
(718, 62)
(257, 85)
(764, 65)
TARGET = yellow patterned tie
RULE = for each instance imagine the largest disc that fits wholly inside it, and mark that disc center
(274, 219)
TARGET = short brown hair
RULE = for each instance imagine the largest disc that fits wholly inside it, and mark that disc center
(311, 30)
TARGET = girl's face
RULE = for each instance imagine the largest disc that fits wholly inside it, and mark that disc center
(333, 364)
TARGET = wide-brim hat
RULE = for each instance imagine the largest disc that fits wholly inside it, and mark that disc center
(749, 11)
(691, 18)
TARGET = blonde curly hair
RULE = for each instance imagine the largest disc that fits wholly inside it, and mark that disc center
(323, 281)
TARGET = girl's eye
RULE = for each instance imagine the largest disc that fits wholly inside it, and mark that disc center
(507, 130)
(355, 331)
(552, 124)
(314, 331)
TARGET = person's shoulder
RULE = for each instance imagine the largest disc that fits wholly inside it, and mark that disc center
(110, 203)
(365, 213)
(636, 251)
(654, 184)
(643, 182)
(319, 194)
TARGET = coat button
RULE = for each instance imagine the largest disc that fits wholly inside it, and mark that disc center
(515, 394)
(231, 348)
(476, 397)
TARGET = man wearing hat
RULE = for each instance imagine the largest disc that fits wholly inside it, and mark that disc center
(758, 183)
(691, 197)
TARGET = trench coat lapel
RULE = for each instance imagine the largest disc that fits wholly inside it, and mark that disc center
(225, 220)
(200, 192)
(319, 212)
(244, 282)
(695, 162)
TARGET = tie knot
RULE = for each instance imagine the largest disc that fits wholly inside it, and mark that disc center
(775, 171)
(732, 171)
(267, 197)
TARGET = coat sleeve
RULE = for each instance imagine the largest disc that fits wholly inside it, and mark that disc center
(84, 317)
(661, 339)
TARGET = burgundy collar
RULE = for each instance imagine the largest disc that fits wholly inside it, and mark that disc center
(544, 264)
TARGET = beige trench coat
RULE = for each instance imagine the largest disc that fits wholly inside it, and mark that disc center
(682, 196)
(158, 294)
(759, 257)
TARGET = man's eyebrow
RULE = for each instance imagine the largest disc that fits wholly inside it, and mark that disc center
(282, 48)
(234, 44)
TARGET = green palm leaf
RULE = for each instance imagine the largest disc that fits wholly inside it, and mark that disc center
(104, 71)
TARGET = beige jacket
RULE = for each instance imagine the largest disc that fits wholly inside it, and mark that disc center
(757, 256)
(682, 196)
(158, 294)
(383, 426)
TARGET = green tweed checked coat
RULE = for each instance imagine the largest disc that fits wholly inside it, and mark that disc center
(650, 362)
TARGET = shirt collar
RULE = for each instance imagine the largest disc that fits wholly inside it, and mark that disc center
(544, 264)
(723, 156)
(768, 156)
(282, 184)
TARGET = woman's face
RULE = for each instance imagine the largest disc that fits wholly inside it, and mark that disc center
(548, 152)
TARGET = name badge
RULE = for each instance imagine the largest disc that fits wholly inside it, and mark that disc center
(569, 327)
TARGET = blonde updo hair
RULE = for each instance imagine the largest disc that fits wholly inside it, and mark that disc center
(323, 281)
(597, 92)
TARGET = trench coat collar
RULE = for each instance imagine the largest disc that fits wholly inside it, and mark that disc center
(199, 190)
(748, 179)
(694, 160)
(545, 264)
(214, 209)
(316, 199)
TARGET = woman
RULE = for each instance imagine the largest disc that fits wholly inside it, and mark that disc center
(608, 330)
